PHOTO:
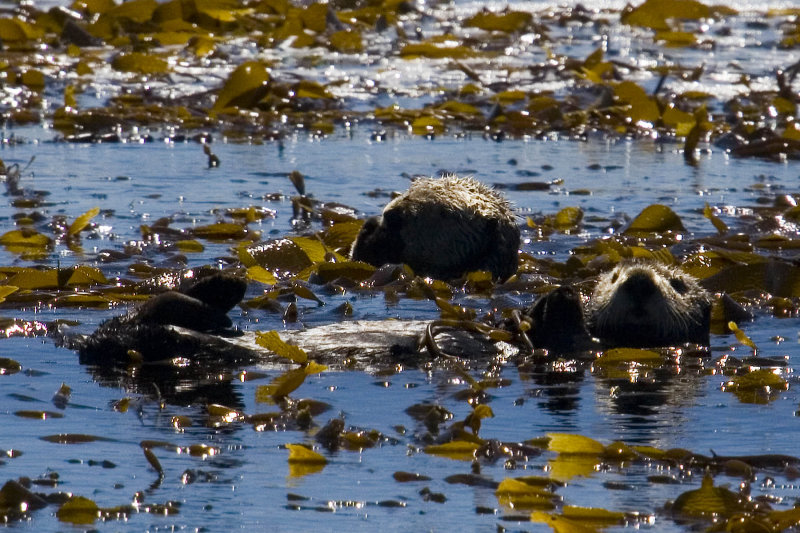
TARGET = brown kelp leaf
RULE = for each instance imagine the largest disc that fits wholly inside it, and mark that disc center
(25, 237)
(654, 13)
(655, 218)
(568, 218)
(140, 63)
(346, 41)
(220, 231)
(14, 29)
(560, 524)
(508, 21)
(78, 510)
(708, 501)
(189, 245)
(134, 10)
(341, 234)
(722, 228)
(566, 443)
(153, 461)
(460, 450)
(406, 477)
(642, 106)
(282, 257)
(626, 356)
(353, 270)
(741, 336)
(9, 366)
(82, 221)
(245, 87)
(566, 466)
(439, 48)
(272, 341)
(299, 453)
(520, 495)
(261, 275)
(6, 290)
(281, 386)
(38, 415)
(72, 438)
(765, 380)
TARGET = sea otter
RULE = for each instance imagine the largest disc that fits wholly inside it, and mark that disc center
(443, 228)
(648, 304)
(168, 325)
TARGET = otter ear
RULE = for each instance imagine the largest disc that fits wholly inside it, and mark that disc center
(393, 219)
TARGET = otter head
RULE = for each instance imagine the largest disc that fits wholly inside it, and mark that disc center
(648, 304)
(379, 240)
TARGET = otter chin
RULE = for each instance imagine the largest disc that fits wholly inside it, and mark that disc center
(647, 304)
(443, 228)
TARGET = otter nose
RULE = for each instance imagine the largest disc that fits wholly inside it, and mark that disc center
(639, 285)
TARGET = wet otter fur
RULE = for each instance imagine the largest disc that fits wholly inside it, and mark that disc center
(168, 325)
(648, 304)
(443, 228)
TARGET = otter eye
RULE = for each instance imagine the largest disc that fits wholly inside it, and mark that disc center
(679, 285)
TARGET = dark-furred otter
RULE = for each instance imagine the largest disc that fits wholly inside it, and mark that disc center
(648, 304)
(443, 228)
(168, 325)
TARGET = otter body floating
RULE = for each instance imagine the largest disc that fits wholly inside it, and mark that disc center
(635, 305)
(443, 228)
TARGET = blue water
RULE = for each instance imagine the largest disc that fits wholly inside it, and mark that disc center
(246, 485)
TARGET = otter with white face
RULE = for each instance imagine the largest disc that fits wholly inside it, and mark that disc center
(443, 228)
(647, 304)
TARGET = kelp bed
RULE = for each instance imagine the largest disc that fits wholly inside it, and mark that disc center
(688, 111)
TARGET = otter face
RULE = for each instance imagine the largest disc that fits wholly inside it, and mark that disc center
(648, 305)
(379, 241)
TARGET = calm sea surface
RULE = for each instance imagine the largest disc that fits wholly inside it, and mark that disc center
(248, 484)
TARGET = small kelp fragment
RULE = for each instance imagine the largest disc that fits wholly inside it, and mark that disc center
(574, 444)
(261, 275)
(61, 398)
(82, 221)
(460, 450)
(286, 383)
(654, 13)
(626, 356)
(9, 366)
(708, 501)
(508, 22)
(560, 524)
(655, 218)
(757, 386)
(15, 498)
(722, 228)
(406, 477)
(272, 341)
(282, 257)
(6, 290)
(25, 237)
(140, 63)
(642, 106)
(72, 438)
(221, 231)
(246, 85)
(38, 415)
(354, 270)
(78, 510)
(189, 245)
(153, 460)
(440, 48)
(303, 460)
(14, 29)
(568, 466)
(428, 125)
(741, 336)
(569, 218)
(517, 494)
